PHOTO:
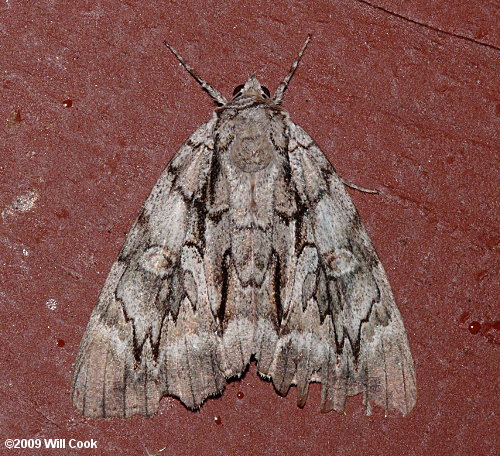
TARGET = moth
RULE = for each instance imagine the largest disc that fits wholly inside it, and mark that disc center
(248, 248)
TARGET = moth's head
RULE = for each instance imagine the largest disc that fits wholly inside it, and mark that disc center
(251, 88)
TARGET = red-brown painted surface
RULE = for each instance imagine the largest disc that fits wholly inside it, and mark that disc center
(402, 97)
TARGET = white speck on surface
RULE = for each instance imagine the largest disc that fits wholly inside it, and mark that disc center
(51, 304)
(25, 252)
(23, 203)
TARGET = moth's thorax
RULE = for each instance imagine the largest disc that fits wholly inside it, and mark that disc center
(251, 133)
(251, 149)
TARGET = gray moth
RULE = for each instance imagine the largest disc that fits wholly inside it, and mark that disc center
(248, 248)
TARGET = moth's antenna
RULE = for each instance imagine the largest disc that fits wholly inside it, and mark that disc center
(213, 92)
(278, 96)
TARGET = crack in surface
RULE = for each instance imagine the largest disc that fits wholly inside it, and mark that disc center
(427, 26)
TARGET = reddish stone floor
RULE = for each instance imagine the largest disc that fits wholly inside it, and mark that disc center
(401, 96)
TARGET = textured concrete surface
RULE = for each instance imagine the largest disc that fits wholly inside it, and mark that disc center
(402, 97)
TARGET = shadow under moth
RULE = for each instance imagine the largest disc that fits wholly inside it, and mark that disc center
(248, 248)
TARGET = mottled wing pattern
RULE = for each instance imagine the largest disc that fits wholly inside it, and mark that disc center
(340, 325)
(153, 310)
(230, 258)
